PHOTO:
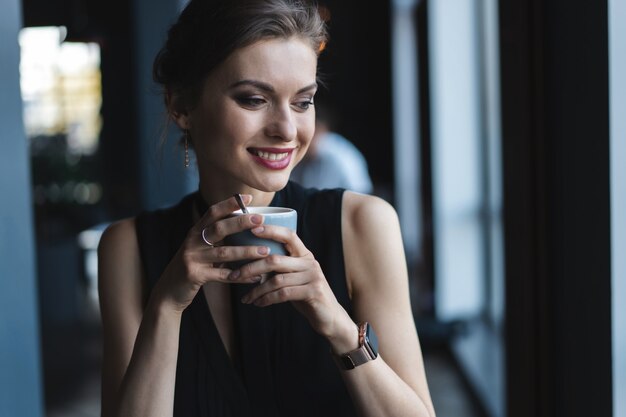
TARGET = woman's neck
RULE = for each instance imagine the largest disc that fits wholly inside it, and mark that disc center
(212, 195)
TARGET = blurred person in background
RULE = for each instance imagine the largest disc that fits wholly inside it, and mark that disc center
(187, 335)
(332, 161)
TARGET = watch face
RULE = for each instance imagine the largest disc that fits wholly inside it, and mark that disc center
(371, 340)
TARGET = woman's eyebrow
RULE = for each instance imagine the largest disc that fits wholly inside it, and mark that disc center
(267, 87)
(254, 83)
(312, 86)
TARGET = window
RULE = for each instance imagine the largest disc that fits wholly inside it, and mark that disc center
(468, 251)
(62, 95)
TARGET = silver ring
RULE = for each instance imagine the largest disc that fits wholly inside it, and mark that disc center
(207, 241)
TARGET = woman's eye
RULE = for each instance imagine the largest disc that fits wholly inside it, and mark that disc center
(304, 105)
(251, 101)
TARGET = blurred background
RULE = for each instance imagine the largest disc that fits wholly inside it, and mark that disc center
(496, 128)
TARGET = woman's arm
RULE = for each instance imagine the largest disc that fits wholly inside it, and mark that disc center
(143, 385)
(395, 383)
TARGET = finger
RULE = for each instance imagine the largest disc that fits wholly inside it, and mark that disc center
(276, 264)
(223, 254)
(221, 275)
(284, 235)
(276, 282)
(220, 210)
(218, 230)
(281, 295)
(208, 273)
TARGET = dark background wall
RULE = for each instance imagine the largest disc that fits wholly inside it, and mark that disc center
(555, 119)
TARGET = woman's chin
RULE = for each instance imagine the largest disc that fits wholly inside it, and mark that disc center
(277, 185)
(271, 185)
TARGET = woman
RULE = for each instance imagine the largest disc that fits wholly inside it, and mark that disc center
(185, 335)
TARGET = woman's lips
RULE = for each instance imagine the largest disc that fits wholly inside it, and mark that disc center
(272, 158)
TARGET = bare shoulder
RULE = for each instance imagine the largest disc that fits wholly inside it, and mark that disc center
(372, 242)
(361, 212)
(119, 266)
(118, 236)
(367, 207)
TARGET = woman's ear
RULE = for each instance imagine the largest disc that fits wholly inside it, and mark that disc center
(177, 111)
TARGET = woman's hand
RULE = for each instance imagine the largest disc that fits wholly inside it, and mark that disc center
(197, 262)
(297, 278)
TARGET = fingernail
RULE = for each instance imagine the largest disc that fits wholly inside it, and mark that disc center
(234, 275)
(258, 229)
(256, 219)
(263, 250)
(256, 278)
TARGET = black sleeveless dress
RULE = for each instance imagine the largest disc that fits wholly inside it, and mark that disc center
(283, 368)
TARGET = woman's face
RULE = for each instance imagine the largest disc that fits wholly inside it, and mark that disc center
(255, 117)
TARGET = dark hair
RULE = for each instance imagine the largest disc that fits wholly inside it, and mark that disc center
(208, 31)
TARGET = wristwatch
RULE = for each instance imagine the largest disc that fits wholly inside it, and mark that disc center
(367, 350)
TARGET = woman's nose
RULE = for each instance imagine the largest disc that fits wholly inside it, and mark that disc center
(282, 124)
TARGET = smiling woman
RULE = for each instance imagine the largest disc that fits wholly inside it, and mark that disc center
(254, 111)
(187, 332)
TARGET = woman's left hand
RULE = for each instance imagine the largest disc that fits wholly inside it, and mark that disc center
(297, 278)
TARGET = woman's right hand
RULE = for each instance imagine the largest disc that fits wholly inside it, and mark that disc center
(197, 263)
